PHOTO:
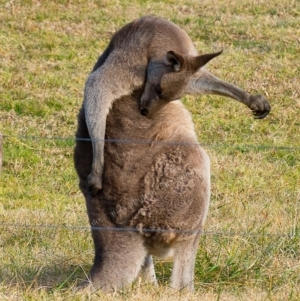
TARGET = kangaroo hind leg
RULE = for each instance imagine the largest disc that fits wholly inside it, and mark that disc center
(148, 271)
(184, 263)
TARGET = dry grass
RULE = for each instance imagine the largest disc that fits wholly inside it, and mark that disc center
(46, 51)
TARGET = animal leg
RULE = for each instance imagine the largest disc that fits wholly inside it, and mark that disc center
(184, 264)
(119, 254)
(148, 271)
(119, 257)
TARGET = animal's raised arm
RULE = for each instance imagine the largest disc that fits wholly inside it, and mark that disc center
(207, 83)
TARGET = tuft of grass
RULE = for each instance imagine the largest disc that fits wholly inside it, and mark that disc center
(250, 250)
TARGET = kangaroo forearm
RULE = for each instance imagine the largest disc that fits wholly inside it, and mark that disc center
(209, 84)
(97, 104)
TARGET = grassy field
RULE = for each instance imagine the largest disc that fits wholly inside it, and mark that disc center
(251, 247)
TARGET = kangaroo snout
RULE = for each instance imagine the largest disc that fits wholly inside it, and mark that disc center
(147, 98)
(144, 105)
(144, 112)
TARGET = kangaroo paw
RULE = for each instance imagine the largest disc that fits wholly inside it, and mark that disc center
(94, 184)
(259, 106)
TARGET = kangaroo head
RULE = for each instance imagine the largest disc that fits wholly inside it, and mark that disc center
(169, 79)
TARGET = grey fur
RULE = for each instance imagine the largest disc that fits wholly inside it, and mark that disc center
(161, 52)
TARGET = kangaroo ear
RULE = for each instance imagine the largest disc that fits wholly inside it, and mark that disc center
(176, 60)
(201, 60)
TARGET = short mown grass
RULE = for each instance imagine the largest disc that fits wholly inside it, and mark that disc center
(251, 247)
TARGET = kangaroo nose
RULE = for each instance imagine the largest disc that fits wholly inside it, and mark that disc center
(144, 112)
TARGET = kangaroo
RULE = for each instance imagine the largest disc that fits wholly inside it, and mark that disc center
(157, 54)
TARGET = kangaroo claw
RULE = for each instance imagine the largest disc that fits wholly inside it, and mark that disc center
(259, 106)
(94, 184)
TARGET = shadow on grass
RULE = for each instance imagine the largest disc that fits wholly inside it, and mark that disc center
(57, 276)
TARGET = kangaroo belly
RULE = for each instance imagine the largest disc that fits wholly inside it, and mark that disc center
(150, 184)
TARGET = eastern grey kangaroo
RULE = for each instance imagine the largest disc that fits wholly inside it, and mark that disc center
(158, 52)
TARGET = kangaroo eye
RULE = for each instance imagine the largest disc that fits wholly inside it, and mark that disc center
(158, 90)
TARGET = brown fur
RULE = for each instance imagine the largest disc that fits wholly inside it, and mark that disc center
(157, 178)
